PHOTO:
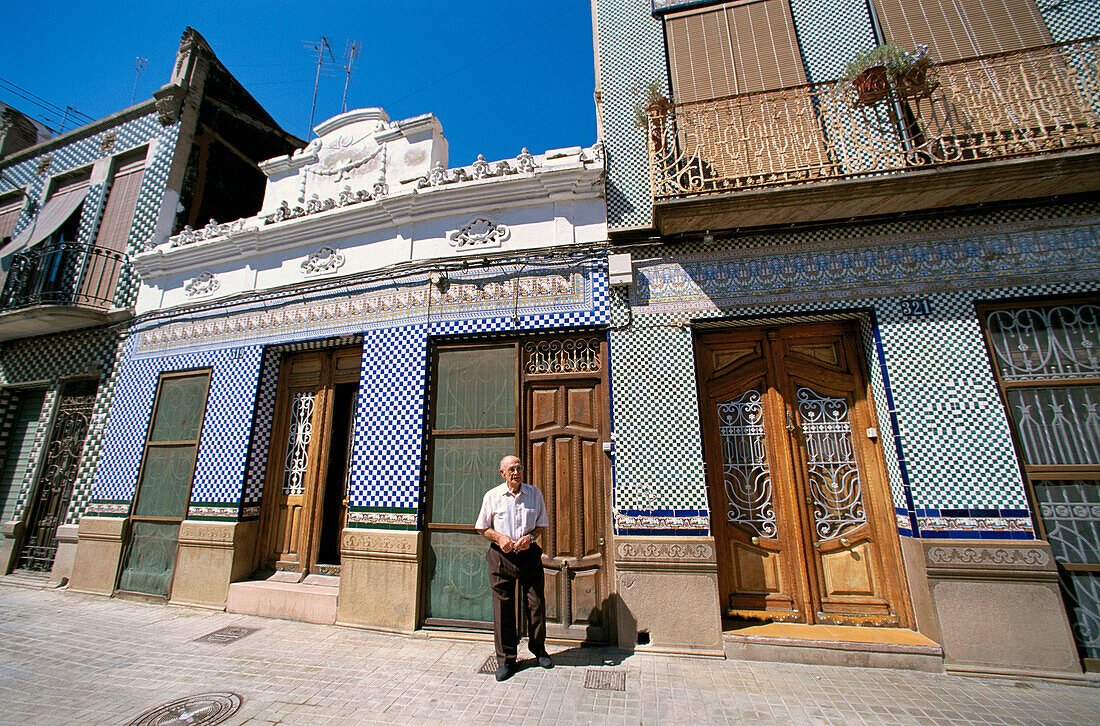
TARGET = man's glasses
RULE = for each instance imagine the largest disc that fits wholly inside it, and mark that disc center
(517, 467)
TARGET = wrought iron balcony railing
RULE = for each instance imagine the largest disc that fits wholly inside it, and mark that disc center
(62, 273)
(1029, 102)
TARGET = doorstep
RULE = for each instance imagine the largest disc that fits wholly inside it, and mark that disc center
(310, 601)
(841, 645)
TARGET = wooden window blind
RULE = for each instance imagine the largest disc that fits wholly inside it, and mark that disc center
(9, 214)
(954, 29)
(119, 211)
(733, 48)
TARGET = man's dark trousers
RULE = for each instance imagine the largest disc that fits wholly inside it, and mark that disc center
(505, 570)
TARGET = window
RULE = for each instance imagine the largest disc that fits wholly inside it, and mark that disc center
(9, 215)
(733, 48)
(164, 484)
(955, 29)
(119, 210)
(1046, 362)
(473, 427)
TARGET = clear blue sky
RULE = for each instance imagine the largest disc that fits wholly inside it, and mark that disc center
(500, 74)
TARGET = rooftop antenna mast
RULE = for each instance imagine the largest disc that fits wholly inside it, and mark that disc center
(139, 66)
(320, 48)
(351, 52)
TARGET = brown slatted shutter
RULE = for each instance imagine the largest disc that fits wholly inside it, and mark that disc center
(954, 29)
(733, 48)
(119, 211)
(9, 214)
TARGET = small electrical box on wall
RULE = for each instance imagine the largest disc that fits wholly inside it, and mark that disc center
(619, 270)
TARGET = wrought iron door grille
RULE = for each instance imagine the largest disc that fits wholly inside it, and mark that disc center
(54, 487)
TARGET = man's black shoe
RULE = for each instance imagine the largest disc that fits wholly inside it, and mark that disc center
(544, 661)
(505, 672)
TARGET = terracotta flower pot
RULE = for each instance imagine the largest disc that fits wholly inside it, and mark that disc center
(871, 86)
(914, 81)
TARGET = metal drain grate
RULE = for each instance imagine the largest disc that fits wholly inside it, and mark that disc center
(605, 680)
(230, 634)
(489, 667)
(205, 709)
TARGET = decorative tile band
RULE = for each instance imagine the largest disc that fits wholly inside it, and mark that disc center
(911, 263)
(382, 518)
(977, 527)
(628, 523)
(370, 306)
(200, 510)
(101, 508)
(250, 512)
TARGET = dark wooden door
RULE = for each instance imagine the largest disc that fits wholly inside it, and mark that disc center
(801, 510)
(565, 410)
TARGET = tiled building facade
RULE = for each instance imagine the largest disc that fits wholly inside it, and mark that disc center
(332, 334)
(926, 287)
(69, 291)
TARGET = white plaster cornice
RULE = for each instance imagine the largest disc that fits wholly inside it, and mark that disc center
(575, 179)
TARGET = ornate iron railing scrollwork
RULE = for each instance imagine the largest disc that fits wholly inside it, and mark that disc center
(1027, 102)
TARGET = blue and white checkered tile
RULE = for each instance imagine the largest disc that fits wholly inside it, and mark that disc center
(953, 447)
(220, 468)
(830, 33)
(386, 445)
(261, 428)
(632, 55)
(1071, 19)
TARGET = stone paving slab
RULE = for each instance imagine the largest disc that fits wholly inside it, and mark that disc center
(67, 658)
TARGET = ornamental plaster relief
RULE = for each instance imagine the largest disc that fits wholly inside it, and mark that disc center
(999, 556)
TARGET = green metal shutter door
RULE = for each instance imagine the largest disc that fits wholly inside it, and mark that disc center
(20, 447)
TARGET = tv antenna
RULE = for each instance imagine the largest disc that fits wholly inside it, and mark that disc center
(320, 48)
(139, 66)
(351, 52)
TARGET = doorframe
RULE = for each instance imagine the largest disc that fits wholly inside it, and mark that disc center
(516, 339)
(129, 531)
(277, 438)
(864, 322)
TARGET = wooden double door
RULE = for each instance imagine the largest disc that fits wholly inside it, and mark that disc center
(802, 517)
(305, 501)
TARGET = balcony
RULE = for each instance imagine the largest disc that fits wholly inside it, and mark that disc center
(993, 128)
(56, 287)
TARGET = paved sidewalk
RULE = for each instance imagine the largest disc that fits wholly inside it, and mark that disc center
(69, 659)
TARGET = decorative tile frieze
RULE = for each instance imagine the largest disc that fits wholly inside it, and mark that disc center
(913, 264)
(383, 518)
(939, 526)
(367, 307)
(649, 551)
(212, 511)
(108, 509)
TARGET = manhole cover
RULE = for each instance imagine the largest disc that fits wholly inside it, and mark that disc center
(489, 667)
(205, 709)
(226, 635)
(605, 680)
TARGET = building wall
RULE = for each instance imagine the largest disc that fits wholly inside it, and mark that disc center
(52, 359)
(394, 323)
(950, 459)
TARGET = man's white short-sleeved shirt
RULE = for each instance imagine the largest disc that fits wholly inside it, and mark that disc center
(513, 515)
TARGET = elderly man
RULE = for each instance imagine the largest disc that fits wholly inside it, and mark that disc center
(512, 515)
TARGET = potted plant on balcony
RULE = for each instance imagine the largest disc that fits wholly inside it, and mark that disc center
(651, 103)
(874, 73)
